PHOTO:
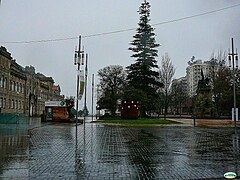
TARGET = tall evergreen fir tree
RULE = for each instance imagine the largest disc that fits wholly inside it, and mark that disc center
(142, 75)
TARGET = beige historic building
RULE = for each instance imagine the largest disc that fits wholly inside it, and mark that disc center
(22, 90)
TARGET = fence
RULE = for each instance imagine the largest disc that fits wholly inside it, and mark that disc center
(13, 118)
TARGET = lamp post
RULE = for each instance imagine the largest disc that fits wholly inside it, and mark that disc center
(233, 61)
(78, 58)
(92, 93)
(85, 92)
(97, 104)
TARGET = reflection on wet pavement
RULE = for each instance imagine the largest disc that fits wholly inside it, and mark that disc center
(112, 152)
(157, 153)
(14, 151)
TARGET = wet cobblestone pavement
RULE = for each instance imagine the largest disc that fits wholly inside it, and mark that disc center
(113, 152)
(14, 144)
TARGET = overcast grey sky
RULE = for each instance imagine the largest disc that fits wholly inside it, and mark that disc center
(53, 19)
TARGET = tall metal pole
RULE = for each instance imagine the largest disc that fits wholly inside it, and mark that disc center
(92, 93)
(85, 91)
(234, 87)
(97, 107)
(233, 57)
(77, 61)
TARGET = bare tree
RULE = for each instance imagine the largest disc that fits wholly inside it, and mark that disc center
(166, 72)
(111, 80)
(217, 62)
(219, 58)
(179, 96)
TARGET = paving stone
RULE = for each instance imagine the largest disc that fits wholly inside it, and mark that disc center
(101, 152)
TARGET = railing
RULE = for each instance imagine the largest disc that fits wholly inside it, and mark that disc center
(13, 118)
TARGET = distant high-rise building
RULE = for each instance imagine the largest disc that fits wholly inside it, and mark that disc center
(182, 81)
(194, 74)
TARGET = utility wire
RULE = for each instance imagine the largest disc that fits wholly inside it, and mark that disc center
(39, 41)
(123, 30)
(196, 15)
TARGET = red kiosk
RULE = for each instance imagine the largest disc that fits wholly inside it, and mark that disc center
(56, 111)
(130, 109)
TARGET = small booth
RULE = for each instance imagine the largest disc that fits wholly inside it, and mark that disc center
(56, 111)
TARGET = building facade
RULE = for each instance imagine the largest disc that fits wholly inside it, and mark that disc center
(22, 90)
(182, 81)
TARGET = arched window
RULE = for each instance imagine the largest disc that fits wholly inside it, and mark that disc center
(16, 104)
(10, 86)
(1, 81)
(16, 87)
(9, 103)
(5, 83)
(1, 102)
(12, 106)
(13, 86)
(20, 88)
(4, 103)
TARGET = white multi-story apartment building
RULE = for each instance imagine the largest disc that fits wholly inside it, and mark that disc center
(181, 81)
(194, 74)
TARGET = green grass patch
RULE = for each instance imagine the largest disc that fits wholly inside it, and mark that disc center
(145, 121)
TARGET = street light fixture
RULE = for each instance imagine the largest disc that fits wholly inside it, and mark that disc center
(78, 60)
(233, 61)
